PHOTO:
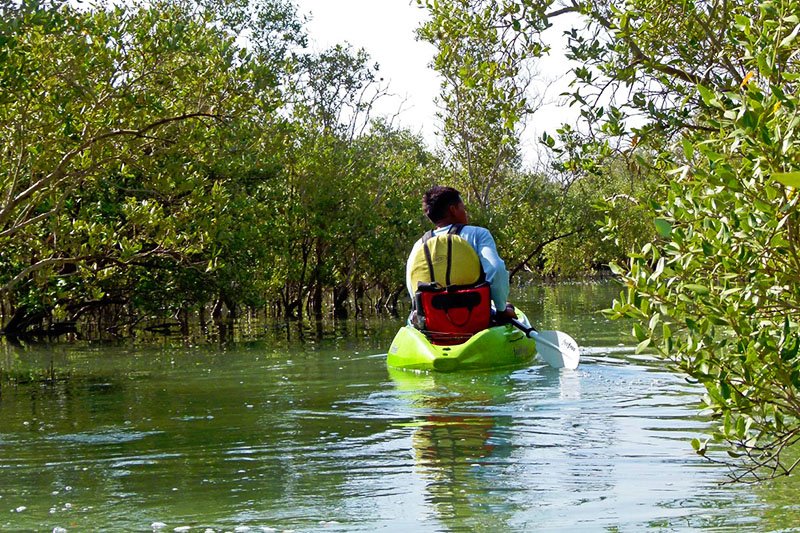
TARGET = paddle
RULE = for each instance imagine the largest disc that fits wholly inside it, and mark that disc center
(556, 348)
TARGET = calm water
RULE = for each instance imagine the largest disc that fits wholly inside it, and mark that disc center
(281, 434)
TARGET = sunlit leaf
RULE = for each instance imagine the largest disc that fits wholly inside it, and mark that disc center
(663, 227)
(790, 179)
(700, 290)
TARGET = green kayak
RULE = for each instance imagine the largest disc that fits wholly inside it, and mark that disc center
(496, 347)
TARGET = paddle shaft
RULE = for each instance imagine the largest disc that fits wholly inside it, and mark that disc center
(522, 327)
(531, 332)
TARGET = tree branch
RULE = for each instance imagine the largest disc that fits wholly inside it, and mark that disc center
(44, 263)
(60, 170)
(541, 246)
(643, 58)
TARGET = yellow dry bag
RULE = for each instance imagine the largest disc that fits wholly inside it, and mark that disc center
(446, 259)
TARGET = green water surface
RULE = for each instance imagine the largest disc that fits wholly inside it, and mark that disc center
(304, 434)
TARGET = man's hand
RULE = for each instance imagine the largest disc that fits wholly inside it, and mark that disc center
(509, 312)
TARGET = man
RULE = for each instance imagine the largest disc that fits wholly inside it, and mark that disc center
(444, 207)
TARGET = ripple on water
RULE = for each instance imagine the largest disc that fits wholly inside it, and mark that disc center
(603, 447)
(107, 436)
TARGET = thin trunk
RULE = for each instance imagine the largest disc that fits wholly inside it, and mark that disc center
(340, 295)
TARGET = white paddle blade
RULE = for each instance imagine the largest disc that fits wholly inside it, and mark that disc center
(557, 349)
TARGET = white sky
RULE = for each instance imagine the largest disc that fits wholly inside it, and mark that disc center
(385, 29)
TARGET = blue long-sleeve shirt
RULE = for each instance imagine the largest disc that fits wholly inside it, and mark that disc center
(494, 267)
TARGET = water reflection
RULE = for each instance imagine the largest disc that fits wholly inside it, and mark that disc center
(460, 449)
(314, 436)
(601, 447)
(474, 442)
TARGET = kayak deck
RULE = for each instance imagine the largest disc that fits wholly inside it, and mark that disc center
(496, 347)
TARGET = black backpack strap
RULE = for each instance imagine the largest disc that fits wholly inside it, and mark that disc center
(455, 229)
(449, 259)
(425, 237)
(428, 260)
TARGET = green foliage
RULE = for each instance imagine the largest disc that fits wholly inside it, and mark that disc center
(695, 103)
(486, 53)
(159, 158)
(483, 91)
(109, 170)
(152, 163)
(717, 293)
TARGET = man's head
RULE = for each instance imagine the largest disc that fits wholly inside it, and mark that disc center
(444, 205)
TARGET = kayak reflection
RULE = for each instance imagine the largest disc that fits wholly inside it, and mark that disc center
(460, 448)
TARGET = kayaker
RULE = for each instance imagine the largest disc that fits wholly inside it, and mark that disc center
(445, 208)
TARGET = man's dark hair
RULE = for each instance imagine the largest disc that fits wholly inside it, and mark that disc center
(437, 200)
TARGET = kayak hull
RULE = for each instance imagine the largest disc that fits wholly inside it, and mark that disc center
(496, 347)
